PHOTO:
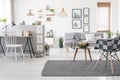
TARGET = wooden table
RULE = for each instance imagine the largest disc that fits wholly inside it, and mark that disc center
(85, 52)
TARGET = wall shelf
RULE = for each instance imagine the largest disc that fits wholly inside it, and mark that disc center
(50, 14)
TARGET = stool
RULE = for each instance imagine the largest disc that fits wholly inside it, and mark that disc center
(85, 49)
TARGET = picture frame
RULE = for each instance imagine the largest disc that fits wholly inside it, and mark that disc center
(86, 28)
(77, 13)
(86, 19)
(76, 24)
(86, 11)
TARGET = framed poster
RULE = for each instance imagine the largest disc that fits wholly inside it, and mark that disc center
(76, 24)
(76, 13)
(86, 28)
(86, 19)
(85, 11)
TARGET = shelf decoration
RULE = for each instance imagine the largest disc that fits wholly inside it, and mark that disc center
(30, 13)
(62, 13)
(40, 13)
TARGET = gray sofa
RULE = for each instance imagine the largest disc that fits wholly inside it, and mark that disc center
(72, 39)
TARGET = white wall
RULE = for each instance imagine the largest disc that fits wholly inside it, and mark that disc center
(61, 25)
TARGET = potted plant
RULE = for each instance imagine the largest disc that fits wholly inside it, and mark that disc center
(3, 20)
(46, 47)
(117, 33)
(60, 40)
(109, 34)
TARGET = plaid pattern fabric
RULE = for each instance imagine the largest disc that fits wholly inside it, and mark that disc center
(109, 45)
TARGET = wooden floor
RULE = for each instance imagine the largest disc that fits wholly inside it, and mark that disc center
(30, 69)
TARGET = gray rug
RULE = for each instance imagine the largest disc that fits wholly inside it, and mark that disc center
(79, 68)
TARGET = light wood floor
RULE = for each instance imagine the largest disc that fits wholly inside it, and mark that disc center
(30, 69)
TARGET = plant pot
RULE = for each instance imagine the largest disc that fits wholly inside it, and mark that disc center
(47, 52)
(60, 45)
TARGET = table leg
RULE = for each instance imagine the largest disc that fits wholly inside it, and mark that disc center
(76, 50)
(90, 54)
(85, 56)
(31, 46)
(2, 47)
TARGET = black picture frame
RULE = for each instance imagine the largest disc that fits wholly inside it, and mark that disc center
(76, 24)
(86, 28)
(76, 13)
(86, 20)
(86, 11)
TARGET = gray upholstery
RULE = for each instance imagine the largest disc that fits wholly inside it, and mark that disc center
(71, 39)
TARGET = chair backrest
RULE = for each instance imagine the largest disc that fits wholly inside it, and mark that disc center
(109, 45)
(10, 38)
(116, 43)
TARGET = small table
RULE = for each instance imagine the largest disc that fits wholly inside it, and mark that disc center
(85, 51)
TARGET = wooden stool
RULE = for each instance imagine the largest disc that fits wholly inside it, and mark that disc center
(76, 51)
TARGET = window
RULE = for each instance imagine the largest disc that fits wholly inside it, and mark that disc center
(103, 17)
(5, 10)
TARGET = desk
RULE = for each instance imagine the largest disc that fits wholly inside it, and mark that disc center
(28, 43)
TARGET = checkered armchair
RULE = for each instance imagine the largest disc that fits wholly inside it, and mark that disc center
(108, 45)
(109, 48)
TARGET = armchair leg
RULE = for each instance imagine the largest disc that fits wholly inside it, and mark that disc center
(98, 61)
(112, 68)
(117, 57)
(106, 59)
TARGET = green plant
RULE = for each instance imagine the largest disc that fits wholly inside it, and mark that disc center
(109, 34)
(117, 33)
(60, 40)
(3, 20)
(46, 47)
(52, 10)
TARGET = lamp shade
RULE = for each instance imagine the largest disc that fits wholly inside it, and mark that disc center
(62, 13)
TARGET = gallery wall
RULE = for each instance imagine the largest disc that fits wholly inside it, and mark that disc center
(62, 25)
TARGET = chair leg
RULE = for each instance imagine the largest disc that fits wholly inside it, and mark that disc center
(106, 59)
(67, 48)
(98, 61)
(112, 68)
(15, 53)
(76, 50)
(117, 57)
(22, 52)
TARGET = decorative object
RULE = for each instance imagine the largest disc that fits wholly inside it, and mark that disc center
(48, 19)
(37, 22)
(86, 19)
(109, 34)
(76, 24)
(47, 7)
(3, 20)
(83, 44)
(60, 40)
(30, 13)
(48, 34)
(86, 11)
(86, 28)
(117, 33)
(51, 33)
(76, 13)
(47, 47)
(62, 13)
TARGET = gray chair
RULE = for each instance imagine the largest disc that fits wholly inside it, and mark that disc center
(109, 48)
